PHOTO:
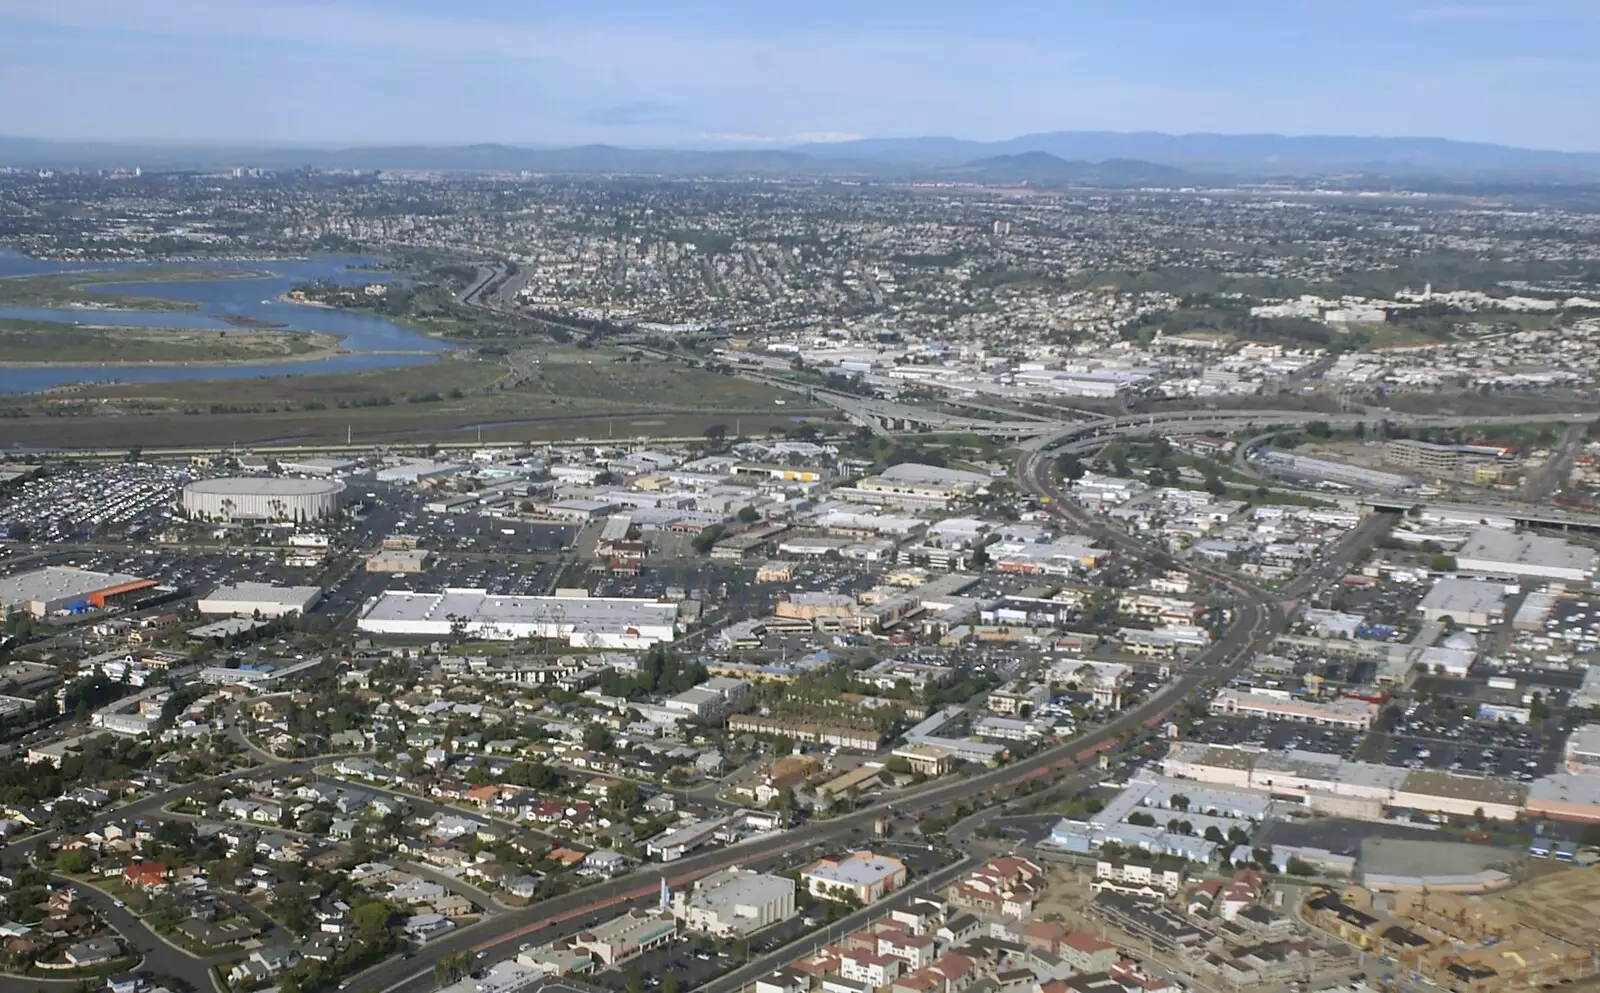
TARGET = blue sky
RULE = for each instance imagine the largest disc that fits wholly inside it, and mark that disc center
(717, 73)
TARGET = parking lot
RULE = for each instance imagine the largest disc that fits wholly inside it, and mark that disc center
(1276, 736)
(1445, 735)
(68, 503)
(384, 511)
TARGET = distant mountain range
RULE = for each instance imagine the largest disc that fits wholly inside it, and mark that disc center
(1096, 158)
(1042, 168)
(1232, 154)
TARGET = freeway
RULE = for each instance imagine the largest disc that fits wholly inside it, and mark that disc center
(1077, 436)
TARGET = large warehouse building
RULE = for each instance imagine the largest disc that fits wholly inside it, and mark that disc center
(1493, 552)
(264, 599)
(47, 591)
(585, 622)
(262, 498)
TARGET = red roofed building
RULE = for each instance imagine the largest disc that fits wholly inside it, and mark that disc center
(821, 964)
(146, 875)
(869, 967)
(954, 969)
(1007, 886)
(1043, 935)
(1086, 953)
(1240, 892)
(921, 981)
(914, 951)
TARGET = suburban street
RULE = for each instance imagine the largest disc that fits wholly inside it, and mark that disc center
(1254, 623)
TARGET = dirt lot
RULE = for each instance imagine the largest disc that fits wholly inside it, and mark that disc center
(1563, 903)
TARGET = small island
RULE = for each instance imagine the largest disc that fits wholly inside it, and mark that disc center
(79, 290)
(52, 343)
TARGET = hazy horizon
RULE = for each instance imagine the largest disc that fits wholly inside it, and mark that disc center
(719, 74)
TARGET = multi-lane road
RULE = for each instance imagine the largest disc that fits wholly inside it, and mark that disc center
(1254, 622)
(1256, 614)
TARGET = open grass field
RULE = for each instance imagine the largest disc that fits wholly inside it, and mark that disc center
(580, 379)
(1376, 336)
(409, 424)
(44, 342)
(77, 289)
(465, 373)
(566, 394)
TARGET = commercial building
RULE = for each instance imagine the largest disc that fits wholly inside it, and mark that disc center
(1342, 712)
(931, 732)
(1566, 796)
(1464, 601)
(860, 875)
(927, 760)
(669, 846)
(710, 700)
(584, 622)
(263, 599)
(1447, 461)
(1167, 642)
(1495, 552)
(839, 736)
(735, 903)
(912, 484)
(1433, 460)
(1582, 751)
(55, 589)
(399, 560)
(1307, 467)
(625, 938)
(1331, 784)
(262, 498)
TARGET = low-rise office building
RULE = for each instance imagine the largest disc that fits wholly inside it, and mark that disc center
(862, 875)
(625, 938)
(1342, 712)
(735, 903)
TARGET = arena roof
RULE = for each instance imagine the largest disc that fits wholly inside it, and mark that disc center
(265, 486)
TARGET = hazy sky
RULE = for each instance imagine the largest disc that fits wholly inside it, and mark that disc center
(770, 72)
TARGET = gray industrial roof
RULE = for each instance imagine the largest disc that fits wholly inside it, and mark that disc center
(602, 613)
(263, 593)
(57, 583)
(1523, 548)
(932, 475)
(1463, 596)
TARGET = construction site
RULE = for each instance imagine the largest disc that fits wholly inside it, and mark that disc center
(1543, 932)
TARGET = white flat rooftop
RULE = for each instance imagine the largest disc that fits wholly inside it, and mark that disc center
(480, 606)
